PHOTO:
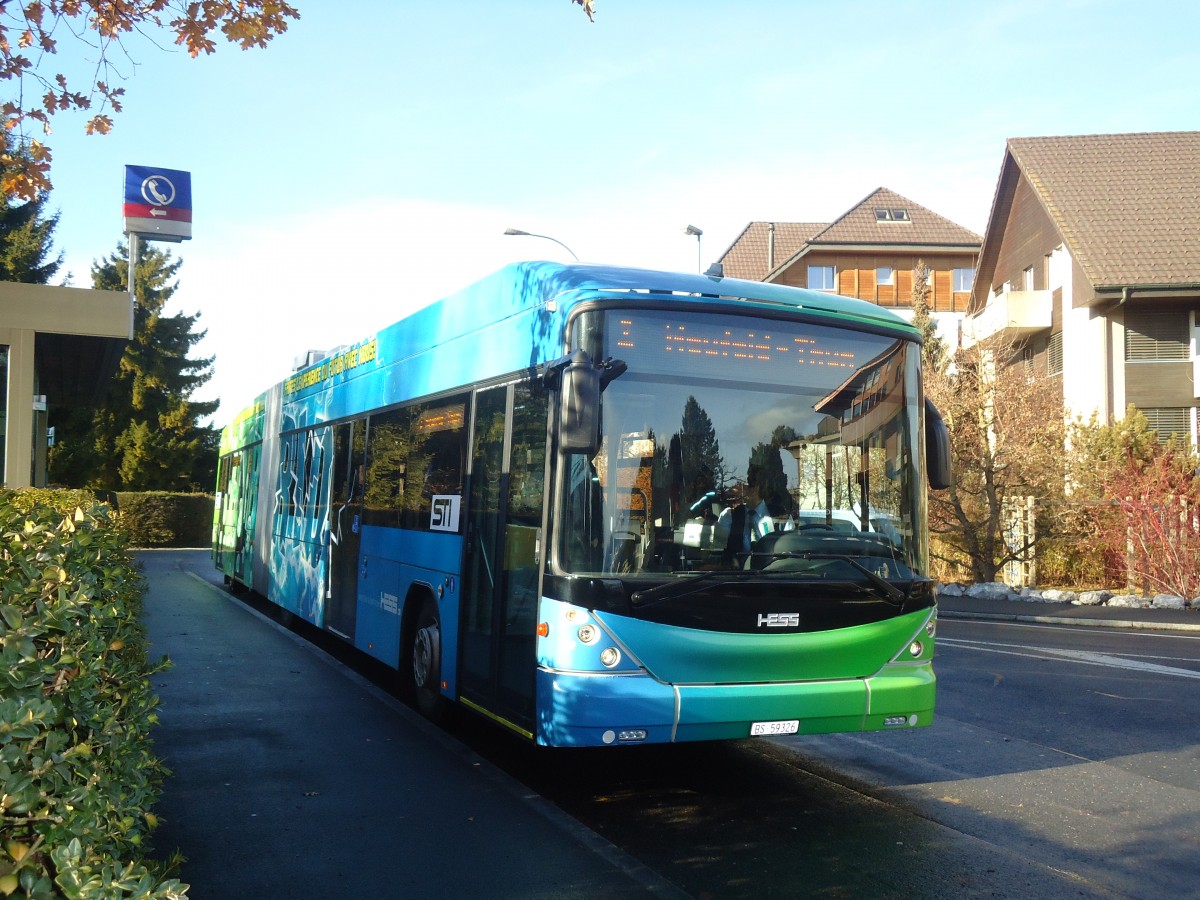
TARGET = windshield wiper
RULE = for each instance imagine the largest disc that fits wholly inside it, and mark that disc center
(889, 590)
(678, 588)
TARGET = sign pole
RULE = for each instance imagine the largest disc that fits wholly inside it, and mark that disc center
(133, 256)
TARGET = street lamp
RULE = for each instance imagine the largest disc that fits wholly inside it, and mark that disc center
(546, 237)
(692, 229)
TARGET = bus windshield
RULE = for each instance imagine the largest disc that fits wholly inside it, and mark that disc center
(745, 443)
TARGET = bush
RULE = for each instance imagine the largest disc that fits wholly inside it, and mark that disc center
(1075, 562)
(160, 519)
(76, 767)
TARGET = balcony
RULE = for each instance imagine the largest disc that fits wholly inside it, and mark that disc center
(1013, 315)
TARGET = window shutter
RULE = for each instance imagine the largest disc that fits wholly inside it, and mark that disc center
(1054, 354)
(1167, 420)
(1156, 335)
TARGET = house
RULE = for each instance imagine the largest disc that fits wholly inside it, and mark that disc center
(869, 252)
(59, 347)
(1091, 266)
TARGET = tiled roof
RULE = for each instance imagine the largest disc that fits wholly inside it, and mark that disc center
(749, 255)
(1127, 205)
(861, 225)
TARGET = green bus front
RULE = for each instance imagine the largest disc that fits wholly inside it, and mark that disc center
(743, 549)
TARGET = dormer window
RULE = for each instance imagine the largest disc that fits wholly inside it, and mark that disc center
(891, 214)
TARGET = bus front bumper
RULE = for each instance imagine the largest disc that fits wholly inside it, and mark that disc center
(596, 710)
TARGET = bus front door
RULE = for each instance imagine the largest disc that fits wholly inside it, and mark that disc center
(504, 546)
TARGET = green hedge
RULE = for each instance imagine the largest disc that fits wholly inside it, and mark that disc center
(77, 775)
(159, 519)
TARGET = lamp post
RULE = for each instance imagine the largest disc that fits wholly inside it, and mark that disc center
(545, 237)
(692, 229)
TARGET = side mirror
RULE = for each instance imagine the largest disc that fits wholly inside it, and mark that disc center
(579, 406)
(937, 449)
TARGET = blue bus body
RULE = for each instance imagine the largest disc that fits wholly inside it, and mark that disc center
(415, 495)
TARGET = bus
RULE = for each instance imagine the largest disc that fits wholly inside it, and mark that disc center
(603, 506)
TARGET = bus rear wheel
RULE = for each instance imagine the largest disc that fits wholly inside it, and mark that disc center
(426, 661)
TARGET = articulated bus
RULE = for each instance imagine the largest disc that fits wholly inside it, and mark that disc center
(603, 506)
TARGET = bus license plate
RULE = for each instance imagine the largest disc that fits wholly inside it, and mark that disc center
(789, 726)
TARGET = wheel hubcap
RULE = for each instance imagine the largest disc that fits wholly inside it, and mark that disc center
(423, 656)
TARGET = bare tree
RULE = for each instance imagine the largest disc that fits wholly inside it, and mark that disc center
(1007, 434)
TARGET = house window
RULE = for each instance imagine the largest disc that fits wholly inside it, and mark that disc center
(964, 280)
(1027, 279)
(885, 276)
(821, 278)
(1156, 335)
(891, 214)
(1054, 355)
(1168, 420)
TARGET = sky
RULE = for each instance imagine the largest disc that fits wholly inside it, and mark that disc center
(368, 161)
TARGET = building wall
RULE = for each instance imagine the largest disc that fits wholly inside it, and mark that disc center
(1030, 237)
(1087, 381)
(1031, 241)
(26, 310)
(1096, 376)
(855, 274)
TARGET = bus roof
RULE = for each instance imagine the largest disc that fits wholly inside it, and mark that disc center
(579, 282)
(500, 306)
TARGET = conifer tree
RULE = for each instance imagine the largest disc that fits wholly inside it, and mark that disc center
(702, 465)
(146, 435)
(26, 237)
(933, 348)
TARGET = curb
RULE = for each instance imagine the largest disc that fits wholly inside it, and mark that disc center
(1070, 620)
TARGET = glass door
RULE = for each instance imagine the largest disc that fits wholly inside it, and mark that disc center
(504, 552)
(345, 526)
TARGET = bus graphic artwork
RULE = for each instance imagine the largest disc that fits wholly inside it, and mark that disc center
(604, 506)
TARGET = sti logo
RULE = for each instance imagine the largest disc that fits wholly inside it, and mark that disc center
(444, 514)
(779, 620)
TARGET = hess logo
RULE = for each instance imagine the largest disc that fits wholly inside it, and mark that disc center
(779, 620)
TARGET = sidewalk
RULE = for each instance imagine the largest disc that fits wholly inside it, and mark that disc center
(294, 777)
(1066, 614)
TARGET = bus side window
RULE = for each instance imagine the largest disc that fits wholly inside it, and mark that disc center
(387, 458)
(414, 453)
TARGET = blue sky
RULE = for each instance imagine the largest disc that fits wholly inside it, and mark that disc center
(369, 160)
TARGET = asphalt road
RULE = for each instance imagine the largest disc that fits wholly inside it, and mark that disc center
(1063, 762)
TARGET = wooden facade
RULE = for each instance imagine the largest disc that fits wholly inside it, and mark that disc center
(855, 274)
(1028, 239)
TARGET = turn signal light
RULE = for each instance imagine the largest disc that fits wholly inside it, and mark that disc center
(543, 629)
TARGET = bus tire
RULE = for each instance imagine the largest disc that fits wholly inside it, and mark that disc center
(425, 661)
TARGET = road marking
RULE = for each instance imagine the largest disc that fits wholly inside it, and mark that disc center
(1085, 657)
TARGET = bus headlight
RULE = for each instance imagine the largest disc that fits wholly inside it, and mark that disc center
(916, 648)
(588, 634)
(610, 656)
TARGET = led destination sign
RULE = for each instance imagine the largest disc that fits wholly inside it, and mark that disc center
(764, 350)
